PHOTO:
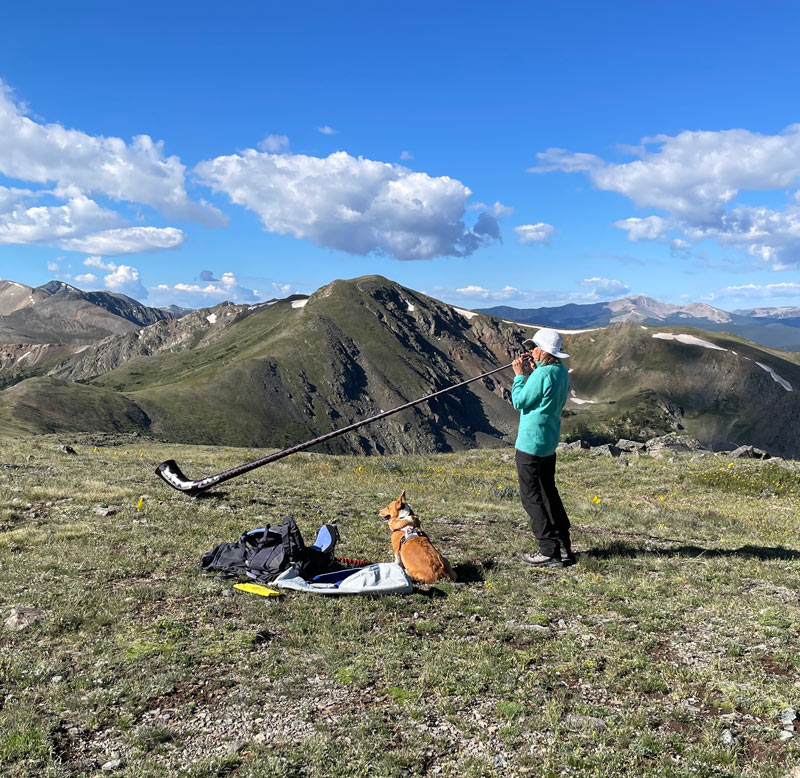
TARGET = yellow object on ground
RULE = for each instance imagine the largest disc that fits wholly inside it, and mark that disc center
(257, 589)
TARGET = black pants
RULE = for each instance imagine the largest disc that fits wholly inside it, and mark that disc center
(542, 502)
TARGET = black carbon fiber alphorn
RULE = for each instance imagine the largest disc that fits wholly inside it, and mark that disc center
(174, 476)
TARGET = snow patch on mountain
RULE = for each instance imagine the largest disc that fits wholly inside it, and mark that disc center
(775, 377)
(557, 329)
(689, 340)
(578, 400)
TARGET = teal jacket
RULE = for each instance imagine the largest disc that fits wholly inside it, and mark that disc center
(540, 397)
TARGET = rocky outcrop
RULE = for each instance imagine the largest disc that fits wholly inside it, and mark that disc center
(672, 444)
(196, 329)
(748, 452)
(33, 354)
(607, 449)
(630, 445)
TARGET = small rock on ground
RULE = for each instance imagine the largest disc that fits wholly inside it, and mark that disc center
(578, 721)
(629, 445)
(726, 737)
(512, 624)
(575, 445)
(605, 450)
(748, 452)
(21, 618)
(787, 718)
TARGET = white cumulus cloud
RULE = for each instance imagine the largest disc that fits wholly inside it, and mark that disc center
(649, 228)
(128, 240)
(23, 223)
(99, 264)
(228, 285)
(203, 295)
(137, 172)
(498, 210)
(476, 296)
(351, 204)
(212, 290)
(695, 178)
(532, 234)
(281, 290)
(606, 286)
(327, 130)
(274, 143)
(125, 280)
(478, 292)
(761, 291)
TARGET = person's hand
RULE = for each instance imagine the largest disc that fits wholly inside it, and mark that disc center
(518, 366)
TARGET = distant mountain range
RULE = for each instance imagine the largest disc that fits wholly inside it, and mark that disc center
(41, 326)
(776, 327)
(279, 373)
(786, 315)
(60, 313)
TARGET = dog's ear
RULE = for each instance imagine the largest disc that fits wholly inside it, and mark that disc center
(402, 497)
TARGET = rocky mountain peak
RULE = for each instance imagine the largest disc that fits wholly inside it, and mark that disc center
(58, 287)
(59, 313)
(14, 296)
(705, 311)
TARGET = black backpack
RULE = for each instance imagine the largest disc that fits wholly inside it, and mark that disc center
(262, 554)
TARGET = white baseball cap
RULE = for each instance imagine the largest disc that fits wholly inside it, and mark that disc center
(547, 340)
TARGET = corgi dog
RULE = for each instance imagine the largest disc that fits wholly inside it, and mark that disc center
(412, 548)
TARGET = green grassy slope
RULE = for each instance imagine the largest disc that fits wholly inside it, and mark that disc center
(41, 405)
(669, 651)
(284, 374)
(722, 397)
(23, 370)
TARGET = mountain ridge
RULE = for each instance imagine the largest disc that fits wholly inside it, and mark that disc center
(778, 331)
(272, 375)
(58, 313)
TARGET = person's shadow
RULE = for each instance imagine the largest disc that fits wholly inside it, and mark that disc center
(623, 549)
(472, 572)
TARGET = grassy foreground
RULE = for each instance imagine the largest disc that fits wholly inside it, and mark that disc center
(668, 651)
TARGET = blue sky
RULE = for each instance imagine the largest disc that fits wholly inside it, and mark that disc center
(523, 154)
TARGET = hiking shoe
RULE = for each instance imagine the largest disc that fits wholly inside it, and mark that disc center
(540, 560)
(568, 558)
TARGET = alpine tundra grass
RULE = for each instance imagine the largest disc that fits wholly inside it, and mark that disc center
(669, 650)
